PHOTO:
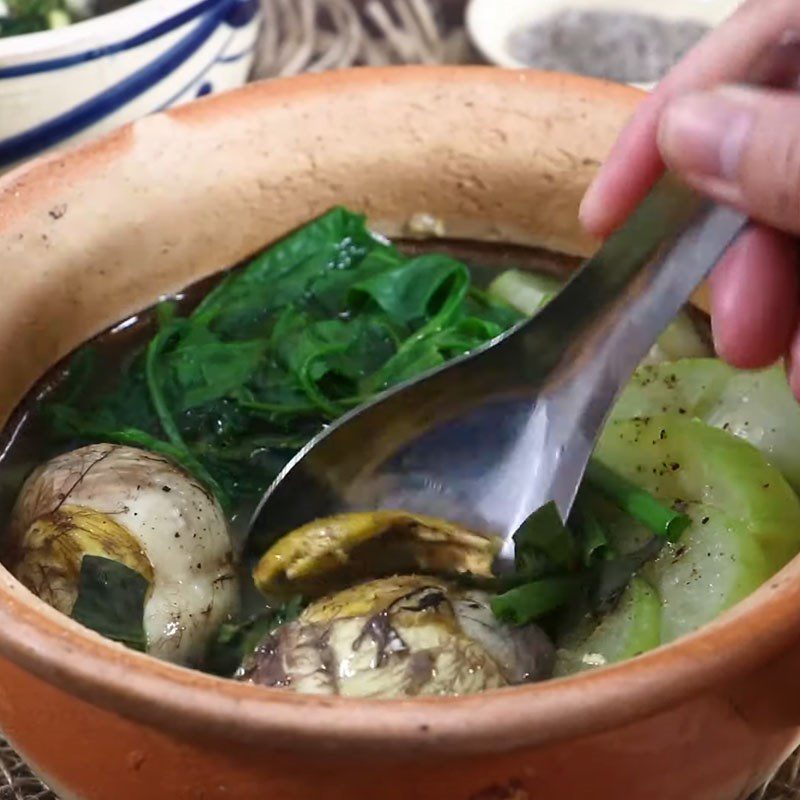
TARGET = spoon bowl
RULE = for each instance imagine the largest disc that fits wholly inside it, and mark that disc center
(491, 437)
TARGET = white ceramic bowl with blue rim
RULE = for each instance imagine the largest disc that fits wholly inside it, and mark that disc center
(68, 84)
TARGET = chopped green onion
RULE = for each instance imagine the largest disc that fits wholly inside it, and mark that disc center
(593, 539)
(532, 601)
(637, 502)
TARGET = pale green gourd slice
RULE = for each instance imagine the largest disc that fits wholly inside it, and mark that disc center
(681, 339)
(745, 516)
(530, 292)
(755, 406)
(631, 628)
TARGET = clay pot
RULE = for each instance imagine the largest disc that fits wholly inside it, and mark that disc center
(90, 237)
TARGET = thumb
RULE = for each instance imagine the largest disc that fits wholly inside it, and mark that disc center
(740, 146)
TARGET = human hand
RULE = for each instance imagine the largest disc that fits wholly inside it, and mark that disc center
(740, 146)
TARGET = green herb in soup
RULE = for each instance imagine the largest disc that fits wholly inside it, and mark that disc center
(111, 600)
(308, 330)
(686, 508)
(236, 641)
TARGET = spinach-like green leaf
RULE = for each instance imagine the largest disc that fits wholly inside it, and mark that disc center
(331, 291)
(282, 274)
(111, 598)
(310, 328)
(201, 372)
(544, 543)
(235, 641)
(417, 291)
(555, 568)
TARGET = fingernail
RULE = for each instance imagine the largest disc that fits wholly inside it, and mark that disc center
(587, 209)
(594, 205)
(722, 304)
(720, 344)
(706, 133)
(718, 337)
(793, 371)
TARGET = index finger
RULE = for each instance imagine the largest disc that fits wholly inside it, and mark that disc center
(758, 43)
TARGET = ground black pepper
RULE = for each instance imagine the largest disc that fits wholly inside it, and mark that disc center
(620, 46)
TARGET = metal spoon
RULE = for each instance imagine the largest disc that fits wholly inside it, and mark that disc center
(491, 437)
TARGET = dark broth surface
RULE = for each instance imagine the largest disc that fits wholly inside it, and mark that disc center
(677, 515)
(25, 441)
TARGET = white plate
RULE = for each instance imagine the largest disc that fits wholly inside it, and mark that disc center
(490, 23)
(65, 85)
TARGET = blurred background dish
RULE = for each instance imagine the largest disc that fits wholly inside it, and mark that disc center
(74, 82)
(631, 41)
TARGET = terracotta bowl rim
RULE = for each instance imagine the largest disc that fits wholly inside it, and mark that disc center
(42, 641)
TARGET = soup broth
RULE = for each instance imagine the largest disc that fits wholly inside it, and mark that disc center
(129, 473)
(25, 441)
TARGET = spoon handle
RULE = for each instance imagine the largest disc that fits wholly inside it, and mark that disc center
(491, 437)
(606, 319)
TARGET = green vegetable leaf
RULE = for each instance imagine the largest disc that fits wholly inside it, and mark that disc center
(235, 641)
(283, 273)
(544, 544)
(332, 289)
(546, 575)
(430, 286)
(81, 369)
(111, 598)
(202, 372)
(310, 328)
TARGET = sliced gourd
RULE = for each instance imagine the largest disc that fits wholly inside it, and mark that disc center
(631, 628)
(528, 292)
(745, 518)
(680, 340)
(755, 406)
